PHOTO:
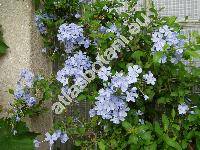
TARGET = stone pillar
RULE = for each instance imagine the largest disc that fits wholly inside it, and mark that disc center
(23, 39)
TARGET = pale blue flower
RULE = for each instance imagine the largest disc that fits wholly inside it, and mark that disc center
(92, 112)
(27, 76)
(77, 15)
(113, 29)
(149, 78)
(163, 59)
(105, 8)
(18, 118)
(87, 43)
(158, 46)
(64, 138)
(141, 121)
(102, 29)
(139, 112)
(31, 101)
(156, 37)
(75, 67)
(40, 25)
(133, 73)
(44, 50)
(80, 81)
(120, 81)
(36, 143)
(132, 95)
(146, 97)
(62, 76)
(104, 73)
(19, 92)
(55, 136)
(51, 138)
(183, 108)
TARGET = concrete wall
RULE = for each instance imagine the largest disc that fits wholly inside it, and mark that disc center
(20, 34)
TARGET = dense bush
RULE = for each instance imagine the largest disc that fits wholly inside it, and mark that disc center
(136, 72)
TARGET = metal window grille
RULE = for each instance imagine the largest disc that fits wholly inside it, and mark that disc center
(179, 8)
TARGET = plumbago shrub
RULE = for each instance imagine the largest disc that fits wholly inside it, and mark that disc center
(133, 68)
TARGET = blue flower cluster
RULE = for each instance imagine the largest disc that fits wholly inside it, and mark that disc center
(123, 82)
(39, 22)
(113, 107)
(166, 36)
(72, 35)
(120, 81)
(23, 88)
(74, 67)
(58, 134)
(55, 136)
(110, 106)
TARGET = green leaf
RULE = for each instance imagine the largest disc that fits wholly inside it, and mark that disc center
(157, 56)
(102, 145)
(3, 47)
(81, 97)
(193, 54)
(137, 54)
(146, 136)
(165, 122)
(177, 127)
(81, 130)
(126, 125)
(157, 128)
(173, 113)
(172, 143)
(163, 100)
(171, 20)
(11, 91)
(133, 139)
(77, 143)
(151, 147)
